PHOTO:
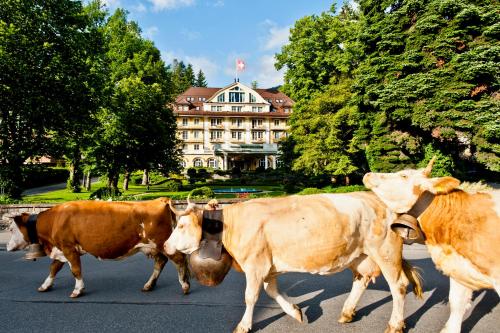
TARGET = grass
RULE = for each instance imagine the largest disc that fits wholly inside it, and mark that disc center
(140, 192)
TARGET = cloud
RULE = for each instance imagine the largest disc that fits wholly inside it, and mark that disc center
(209, 67)
(159, 5)
(190, 35)
(276, 36)
(267, 75)
(151, 31)
(139, 8)
(112, 3)
(218, 3)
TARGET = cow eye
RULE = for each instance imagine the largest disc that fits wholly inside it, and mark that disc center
(180, 226)
(404, 176)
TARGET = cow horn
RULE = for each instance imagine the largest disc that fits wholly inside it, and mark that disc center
(428, 168)
(177, 213)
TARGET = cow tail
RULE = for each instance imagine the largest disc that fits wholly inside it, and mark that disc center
(413, 274)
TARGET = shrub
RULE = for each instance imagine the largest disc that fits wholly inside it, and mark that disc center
(202, 193)
(104, 193)
(39, 175)
(311, 190)
(172, 186)
(202, 174)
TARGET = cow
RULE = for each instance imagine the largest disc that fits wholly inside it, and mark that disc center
(461, 230)
(319, 234)
(106, 230)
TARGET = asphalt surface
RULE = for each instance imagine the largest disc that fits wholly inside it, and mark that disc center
(113, 301)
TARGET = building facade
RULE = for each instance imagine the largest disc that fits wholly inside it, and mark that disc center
(234, 126)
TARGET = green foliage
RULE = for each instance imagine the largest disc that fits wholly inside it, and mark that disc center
(202, 193)
(105, 193)
(172, 186)
(443, 164)
(35, 175)
(200, 81)
(310, 190)
(384, 87)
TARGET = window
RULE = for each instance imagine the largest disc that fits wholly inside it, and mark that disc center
(216, 108)
(220, 98)
(256, 108)
(196, 121)
(215, 121)
(287, 110)
(277, 134)
(185, 108)
(197, 108)
(256, 123)
(276, 122)
(212, 163)
(184, 135)
(183, 164)
(198, 162)
(252, 98)
(262, 162)
(196, 147)
(184, 122)
(236, 97)
(196, 134)
(215, 135)
(237, 135)
(237, 122)
(257, 135)
(236, 108)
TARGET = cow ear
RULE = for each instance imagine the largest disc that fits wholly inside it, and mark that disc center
(442, 185)
(21, 219)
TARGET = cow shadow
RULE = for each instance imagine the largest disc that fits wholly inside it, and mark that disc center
(329, 287)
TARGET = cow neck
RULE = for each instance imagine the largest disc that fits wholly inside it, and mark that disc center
(423, 202)
(32, 229)
(439, 207)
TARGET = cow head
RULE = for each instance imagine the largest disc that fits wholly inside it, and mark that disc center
(19, 233)
(186, 236)
(400, 190)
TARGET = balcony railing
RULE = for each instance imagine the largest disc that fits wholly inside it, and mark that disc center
(216, 140)
(217, 126)
(257, 140)
(191, 139)
(258, 126)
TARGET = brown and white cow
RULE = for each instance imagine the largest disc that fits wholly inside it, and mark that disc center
(319, 234)
(106, 230)
(462, 230)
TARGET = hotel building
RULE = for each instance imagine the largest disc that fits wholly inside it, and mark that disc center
(234, 126)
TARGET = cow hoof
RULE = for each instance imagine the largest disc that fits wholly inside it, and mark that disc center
(43, 289)
(76, 294)
(298, 314)
(346, 317)
(147, 288)
(185, 288)
(391, 329)
(241, 329)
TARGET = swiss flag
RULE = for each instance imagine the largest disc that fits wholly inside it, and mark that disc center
(240, 65)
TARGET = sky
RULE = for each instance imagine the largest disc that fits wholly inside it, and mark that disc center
(212, 34)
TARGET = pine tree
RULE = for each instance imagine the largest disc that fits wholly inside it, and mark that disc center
(201, 81)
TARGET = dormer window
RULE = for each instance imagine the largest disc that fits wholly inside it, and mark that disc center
(236, 97)
(220, 98)
(252, 98)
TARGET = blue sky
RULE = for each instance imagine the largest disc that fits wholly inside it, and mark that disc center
(212, 34)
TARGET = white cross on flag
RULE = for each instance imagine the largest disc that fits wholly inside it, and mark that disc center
(240, 65)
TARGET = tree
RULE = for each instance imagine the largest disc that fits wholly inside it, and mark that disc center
(189, 77)
(44, 76)
(201, 81)
(254, 84)
(137, 130)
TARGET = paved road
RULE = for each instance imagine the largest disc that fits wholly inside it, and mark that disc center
(114, 302)
(53, 187)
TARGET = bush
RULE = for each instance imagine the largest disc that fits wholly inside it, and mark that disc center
(172, 186)
(345, 189)
(104, 193)
(202, 193)
(202, 174)
(36, 175)
(311, 190)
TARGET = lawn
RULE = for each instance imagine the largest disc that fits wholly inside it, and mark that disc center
(140, 192)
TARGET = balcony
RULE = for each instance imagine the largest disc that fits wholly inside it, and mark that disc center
(262, 127)
(237, 140)
(193, 140)
(221, 126)
(189, 126)
(216, 140)
(258, 140)
(235, 126)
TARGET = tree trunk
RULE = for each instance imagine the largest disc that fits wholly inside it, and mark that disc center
(145, 177)
(75, 172)
(126, 180)
(347, 180)
(88, 182)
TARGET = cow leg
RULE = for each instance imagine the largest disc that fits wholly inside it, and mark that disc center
(55, 267)
(459, 300)
(398, 282)
(254, 283)
(359, 285)
(271, 288)
(160, 261)
(180, 261)
(75, 264)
